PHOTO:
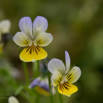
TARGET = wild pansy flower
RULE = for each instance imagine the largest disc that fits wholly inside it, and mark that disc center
(33, 37)
(12, 99)
(62, 76)
(42, 86)
(4, 30)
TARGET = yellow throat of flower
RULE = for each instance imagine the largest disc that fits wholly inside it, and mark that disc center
(33, 53)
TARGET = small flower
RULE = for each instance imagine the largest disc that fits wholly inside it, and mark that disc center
(41, 85)
(62, 77)
(12, 99)
(4, 31)
(33, 37)
(4, 27)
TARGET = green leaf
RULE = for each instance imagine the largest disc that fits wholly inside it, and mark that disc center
(19, 89)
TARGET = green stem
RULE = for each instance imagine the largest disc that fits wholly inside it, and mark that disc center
(26, 72)
(35, 68)
(38, 98)
(51, 96)
(35, 74)
(60, 98)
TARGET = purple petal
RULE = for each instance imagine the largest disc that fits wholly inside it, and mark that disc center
(41, 83)
(25, 25)
(40, 24)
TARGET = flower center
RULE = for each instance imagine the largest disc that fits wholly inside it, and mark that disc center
(32, 48)
(63, 80)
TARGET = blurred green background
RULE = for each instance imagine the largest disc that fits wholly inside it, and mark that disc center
(77, 26)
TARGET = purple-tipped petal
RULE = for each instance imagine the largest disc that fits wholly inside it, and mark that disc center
(41, 83)
(25, 25)
(67, 61)
(40, 24)
(34, 83)
(44, 85)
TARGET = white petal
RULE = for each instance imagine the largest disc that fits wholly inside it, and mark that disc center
(74, 74)
(67, 61)
(56, 65)
(43, 39)
(40, 24)
(25, 25)
(53, 90)
(12, 99)
(5, 26)
(56, 78)
(21, 39)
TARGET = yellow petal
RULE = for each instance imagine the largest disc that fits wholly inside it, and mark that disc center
(67, 88)
(42, 91)
(32, 53)
(39, 53)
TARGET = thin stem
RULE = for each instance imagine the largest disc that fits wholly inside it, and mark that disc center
(35, 68)
(35, 74)
(60, 98)
(38, 98)
(26, 72)
(51, 96)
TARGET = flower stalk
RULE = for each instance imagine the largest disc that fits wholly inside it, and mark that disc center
(60, 98)
(35, 74)
(49, 80)
(35, 68)
(26, 72)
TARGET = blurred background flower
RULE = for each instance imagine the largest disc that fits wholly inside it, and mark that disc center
(42, 86)
(12, 99)
(4, 33)
(76, 26)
